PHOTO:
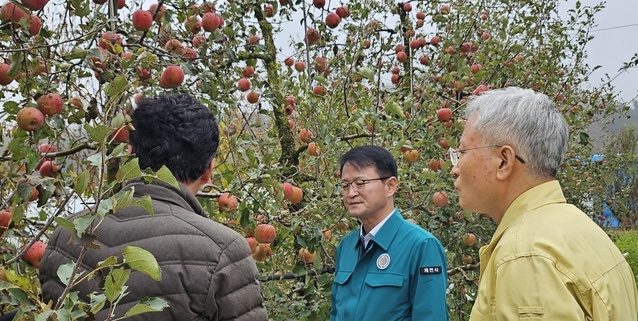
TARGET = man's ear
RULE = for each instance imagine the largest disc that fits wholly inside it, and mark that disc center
(207, 177)
(508, 161)
(392, 184)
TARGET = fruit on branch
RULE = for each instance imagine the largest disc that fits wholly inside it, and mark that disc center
(440, 198)
(142, 20)
(265, 233)
(49, 168)
(411, 156)
(50, 104)
(227, 202)
(172, 77)
(306, 256)
(34, 254)
(30, 118)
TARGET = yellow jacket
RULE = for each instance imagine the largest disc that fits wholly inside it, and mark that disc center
(548, 261)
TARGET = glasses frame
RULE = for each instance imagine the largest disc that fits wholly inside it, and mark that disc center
(454, 153)
(358, 184)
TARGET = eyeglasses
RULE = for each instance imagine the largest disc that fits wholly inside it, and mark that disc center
(358, 185)
(455, 153)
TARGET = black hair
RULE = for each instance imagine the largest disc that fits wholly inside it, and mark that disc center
(370, 156)
(177, 131)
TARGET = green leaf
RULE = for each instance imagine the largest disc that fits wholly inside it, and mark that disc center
(16, 64)
(97, 302)
(394, 108)
(22, 281)
(44, 316)
(97, 133)
(321, 80)
(164, 174)
(147, 305)
(64, 272)
(129, 170)
(367, 73)
(114, 286)
(117, 86)
(142, 260)
(110, 261)
(6, 285)
(82, 223)
(81, 182)
(64, 223)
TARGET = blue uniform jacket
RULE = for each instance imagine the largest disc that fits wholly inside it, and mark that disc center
(402, 276)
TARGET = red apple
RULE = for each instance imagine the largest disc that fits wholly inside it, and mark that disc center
(407, 7)
(4, 79)
(332, 20)
(198, 40)
(312, 35)
(402, 56)
(50, 104)
(193, 24)
(30, 118)
(444, 114)
(243, 84)
(252, 243)
(142, 20)
(319, 90)
(343, 12)
(13, 13)
(289, 61)
(424, 60)
(160, 13)
(269, 11)
(121, 135)
(252, 97)
(420, 15)
(172, 77)
(265, 233)
(35, 25)
(435, 40)
(228, 202)
(300, 66)
(35, 253)
(248, 71)
(306, 256)
(319, 3)
(411, 156)
(111, 41)
(49, 168)
(47, 148)
(5, 219)
(440, 199)
(313, 149)
(469, 239)
(305, 135)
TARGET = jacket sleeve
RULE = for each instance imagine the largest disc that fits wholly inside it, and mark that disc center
(532, 287)
(333, 292)
(235, 293)
(428, 285)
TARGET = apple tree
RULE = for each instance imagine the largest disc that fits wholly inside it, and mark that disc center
(294, 84)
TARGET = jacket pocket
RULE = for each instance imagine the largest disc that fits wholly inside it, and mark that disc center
(384, 279)
(531, 313)
(342, 277)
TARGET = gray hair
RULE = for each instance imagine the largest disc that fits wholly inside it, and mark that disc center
(526, 120)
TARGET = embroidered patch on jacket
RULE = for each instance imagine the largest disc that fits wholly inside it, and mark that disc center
(431, 270)
(383, 261)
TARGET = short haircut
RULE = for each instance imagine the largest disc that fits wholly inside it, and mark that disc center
(370, 156)
(177, 131)
(526, 120)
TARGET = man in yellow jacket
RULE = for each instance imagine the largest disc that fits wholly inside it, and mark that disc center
(547, 259)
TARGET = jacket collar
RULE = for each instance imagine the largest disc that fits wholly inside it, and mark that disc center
(388, 231)
(164, 192)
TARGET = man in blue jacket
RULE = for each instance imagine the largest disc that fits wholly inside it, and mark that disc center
(389, 269)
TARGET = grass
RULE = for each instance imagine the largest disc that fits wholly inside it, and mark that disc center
(627, 242)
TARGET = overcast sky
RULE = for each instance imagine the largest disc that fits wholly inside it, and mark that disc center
(614, 43)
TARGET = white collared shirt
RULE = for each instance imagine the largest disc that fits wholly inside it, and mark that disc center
(366, 238)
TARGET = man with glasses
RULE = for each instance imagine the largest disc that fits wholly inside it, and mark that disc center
(388, 269)
(547, 260)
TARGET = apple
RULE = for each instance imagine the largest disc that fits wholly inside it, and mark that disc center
(415, 44)
(394, 79)
(5, 219)
(306, 256)
(395, 70)
(296, 196)
(289, 109)
(300, 66)
(444, 9)
(407, 7)
(263, 252)
(248, 71)
(35, 5)
(484, 16)
(30, 118)
(332, 20)
(291, 100)
(319, 90)
(327, 234)
(252, 243)
(291, 123)
(312, 35)
(35, 253)
(420, 15)
(466, 259)
(449, 50)
(47, 148)
(440, 199)
(193, 24)
(305, 135)
(289, 61)
(243, 84)
(366, 44)
(13, 13)
(49, 168)
(287, 188)
(227, 202)
(402, 56)
(160, 13)
(35, 25)
(411, 156)
(398, 48)
(475, 68)
(343, 12)
(444, 114)
(111, 42)
(435, 40)
(436, 164)
(253, 39)
(207, 7)
(172, 77)
(480, 89)
(121, 135)
(265, 233)
(269, 11)
(313, 149)
(469, 239)
(174, 46)
(198, 40)
(142, 20)
(50, 104)
(121, 4)
(34, 194)
(319, 3)
(424, 60)
(407, 146)
(485, 35)
(143, 74)
(252, 97)
(4, 79)
(443, 143)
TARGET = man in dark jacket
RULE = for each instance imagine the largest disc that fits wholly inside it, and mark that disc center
(207, 269)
